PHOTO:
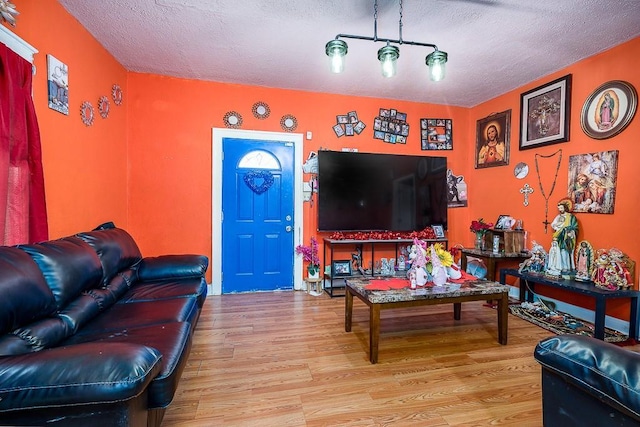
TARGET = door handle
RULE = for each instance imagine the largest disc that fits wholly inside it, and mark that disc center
(288, 228)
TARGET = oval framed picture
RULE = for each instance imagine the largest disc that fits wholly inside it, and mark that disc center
(609, 109)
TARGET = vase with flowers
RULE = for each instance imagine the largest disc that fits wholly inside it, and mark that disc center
(480, 228)
(310, 255)
(431, 263)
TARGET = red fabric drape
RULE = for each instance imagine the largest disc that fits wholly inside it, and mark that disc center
(23, 212)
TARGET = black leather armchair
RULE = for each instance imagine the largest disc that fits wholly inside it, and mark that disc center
(588, 382)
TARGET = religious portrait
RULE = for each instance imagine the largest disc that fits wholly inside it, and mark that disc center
(592, 181)
(544, 114)
(493, 135)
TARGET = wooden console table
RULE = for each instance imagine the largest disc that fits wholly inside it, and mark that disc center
(490, 258)
(529, 280)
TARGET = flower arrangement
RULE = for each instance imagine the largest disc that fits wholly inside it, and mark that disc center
(431, 263)
(479, 226)
(310, 255)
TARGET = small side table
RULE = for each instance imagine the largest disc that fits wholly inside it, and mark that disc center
(314, 286)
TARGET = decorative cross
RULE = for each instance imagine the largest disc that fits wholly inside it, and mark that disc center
(526, 190)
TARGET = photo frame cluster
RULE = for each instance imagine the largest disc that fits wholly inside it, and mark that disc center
(391, 126)
(436, 134)
(348, 124)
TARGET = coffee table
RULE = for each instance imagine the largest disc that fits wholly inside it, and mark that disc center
(377, 300)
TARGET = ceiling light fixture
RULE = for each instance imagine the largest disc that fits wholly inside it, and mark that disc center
(388, 55)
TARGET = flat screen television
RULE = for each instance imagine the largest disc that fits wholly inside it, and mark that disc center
(380, 192)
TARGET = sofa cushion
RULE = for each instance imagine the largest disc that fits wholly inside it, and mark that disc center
(165, 289)
(172, 340)
(116, 249)
(120, 317)
(69, 266)
(24, 294)
(79, 374)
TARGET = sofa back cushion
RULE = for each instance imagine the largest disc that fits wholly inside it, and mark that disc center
(116, 249)
(24, 295)
(26, 302)
(69, 265)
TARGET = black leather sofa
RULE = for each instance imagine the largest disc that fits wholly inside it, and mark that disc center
(92, 333)
(588, 382)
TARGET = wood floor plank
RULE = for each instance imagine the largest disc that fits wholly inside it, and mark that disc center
(284, 359)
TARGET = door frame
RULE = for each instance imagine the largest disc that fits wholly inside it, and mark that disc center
(218, 134)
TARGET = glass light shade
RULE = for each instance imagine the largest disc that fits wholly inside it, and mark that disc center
(388, 57)
(336, 50)
(436, 62)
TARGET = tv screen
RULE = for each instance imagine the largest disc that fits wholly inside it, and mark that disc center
(380, 192)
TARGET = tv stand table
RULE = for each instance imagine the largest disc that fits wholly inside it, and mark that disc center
(527, 289)
(331, 244)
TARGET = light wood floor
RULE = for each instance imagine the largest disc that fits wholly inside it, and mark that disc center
(284, 359)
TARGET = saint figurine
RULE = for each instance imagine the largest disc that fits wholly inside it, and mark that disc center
(562, 252)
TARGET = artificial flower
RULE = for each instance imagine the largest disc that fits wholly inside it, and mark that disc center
(309, 253)
(480, 226)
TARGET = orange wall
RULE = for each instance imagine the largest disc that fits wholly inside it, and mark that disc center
(148, 166)
(85, 168)
(171, 134)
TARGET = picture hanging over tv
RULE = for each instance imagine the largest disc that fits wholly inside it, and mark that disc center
(380, 192)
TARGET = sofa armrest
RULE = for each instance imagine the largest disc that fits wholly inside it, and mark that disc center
(601, 369)
(172, 267)
(76, 374)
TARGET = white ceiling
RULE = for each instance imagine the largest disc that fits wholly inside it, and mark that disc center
(494, 46)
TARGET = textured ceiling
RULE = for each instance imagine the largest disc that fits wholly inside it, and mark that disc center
(494, 46)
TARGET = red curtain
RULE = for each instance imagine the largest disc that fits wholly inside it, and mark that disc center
(23, 212)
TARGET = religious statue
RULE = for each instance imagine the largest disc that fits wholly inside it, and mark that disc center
(585, 261)
(561, 261)
(537, 262)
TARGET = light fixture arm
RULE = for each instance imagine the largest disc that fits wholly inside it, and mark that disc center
(336, 50)
(377, 39)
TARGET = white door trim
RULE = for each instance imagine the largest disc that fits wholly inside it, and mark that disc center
(218, 134)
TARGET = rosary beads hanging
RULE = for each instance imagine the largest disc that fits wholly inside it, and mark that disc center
(553, 185)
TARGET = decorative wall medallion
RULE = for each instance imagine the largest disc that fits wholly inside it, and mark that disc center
(103, 107)
(116, 94)
(289, 123)
(86, 112)
(521, 170)
(8, 12)
(258, 181)
(233, 120)
(260, 110)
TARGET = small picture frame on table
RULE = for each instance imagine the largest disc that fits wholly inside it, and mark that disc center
(503, 223)
(341, 268)
(438, 230)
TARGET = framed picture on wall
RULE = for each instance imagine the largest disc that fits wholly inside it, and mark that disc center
(492, 140)
(545, 114)
(436, 134)
(609, 109)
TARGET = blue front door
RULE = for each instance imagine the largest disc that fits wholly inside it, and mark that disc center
(257, 212)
